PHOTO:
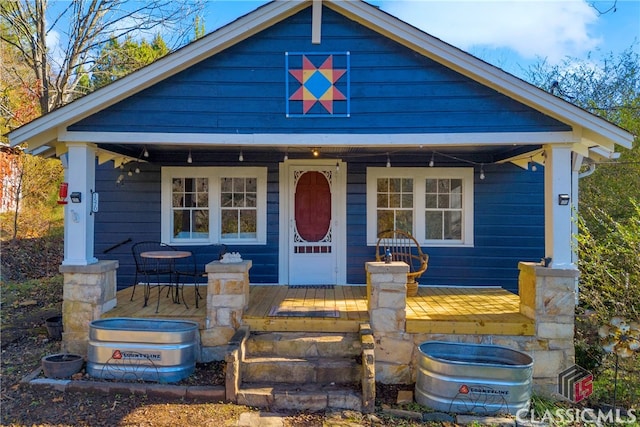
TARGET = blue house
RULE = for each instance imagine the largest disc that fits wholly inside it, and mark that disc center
(297, 133)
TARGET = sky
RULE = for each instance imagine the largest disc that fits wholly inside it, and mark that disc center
(510, 34)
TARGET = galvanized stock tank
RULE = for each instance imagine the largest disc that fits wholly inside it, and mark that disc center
(142, 349)
(473, 378)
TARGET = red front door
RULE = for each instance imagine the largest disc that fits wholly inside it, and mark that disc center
(312, 252)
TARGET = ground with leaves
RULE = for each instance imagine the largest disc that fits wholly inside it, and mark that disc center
(31, 292)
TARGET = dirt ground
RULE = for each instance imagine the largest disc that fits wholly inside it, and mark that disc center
(25, 306)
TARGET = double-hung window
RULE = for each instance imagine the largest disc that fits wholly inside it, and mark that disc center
(435, 205)
(214, 205)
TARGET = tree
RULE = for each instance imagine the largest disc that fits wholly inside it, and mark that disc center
(611, 91)
(37, 76)
(87, 26)
(116, 59)
(609, 208)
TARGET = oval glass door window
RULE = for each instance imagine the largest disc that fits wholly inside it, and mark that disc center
(313, 206)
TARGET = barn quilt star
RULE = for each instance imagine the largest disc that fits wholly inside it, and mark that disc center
(317, 84)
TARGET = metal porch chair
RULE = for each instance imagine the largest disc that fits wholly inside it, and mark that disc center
(189, 268)
(148, 267)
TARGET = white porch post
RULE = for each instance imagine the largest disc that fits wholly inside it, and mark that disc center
(78, 221)
(558, 202)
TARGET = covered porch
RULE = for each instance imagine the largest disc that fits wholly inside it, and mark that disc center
(539, 320)
(434, 310)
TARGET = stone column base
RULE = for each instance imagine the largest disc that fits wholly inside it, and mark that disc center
(89, 291)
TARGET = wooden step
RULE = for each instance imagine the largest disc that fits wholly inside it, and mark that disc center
(286, 370)
(301, 397)
(302, 345)
(303, 371)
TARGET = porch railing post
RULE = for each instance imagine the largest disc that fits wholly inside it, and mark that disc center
(89, 291)
(227, 300)
(387, 301)
(547, 295)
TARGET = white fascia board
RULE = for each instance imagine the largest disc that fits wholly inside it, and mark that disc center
(44, 151)
(171, 64)
(599, 153)
(323, 140)
(479, 70)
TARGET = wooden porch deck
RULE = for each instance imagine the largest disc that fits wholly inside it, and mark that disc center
(435, 310)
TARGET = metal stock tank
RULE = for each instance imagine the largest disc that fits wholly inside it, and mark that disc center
(142, 349)
(473, 378)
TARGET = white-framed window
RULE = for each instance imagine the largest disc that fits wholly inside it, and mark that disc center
(214, 205)
(435, 205)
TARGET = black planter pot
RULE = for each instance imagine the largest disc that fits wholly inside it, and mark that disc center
(62, 365)
(54, 327)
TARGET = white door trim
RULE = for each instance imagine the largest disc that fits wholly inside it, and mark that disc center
(339, 201)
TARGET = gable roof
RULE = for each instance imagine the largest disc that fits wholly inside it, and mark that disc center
(592, 134)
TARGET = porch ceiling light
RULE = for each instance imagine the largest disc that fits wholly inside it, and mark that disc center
(241, 157)
(315, 152)
(189, 158)
(388, 161)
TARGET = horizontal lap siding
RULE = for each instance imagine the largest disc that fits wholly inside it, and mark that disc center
(509, 225)
(132, 211)
(508, 228)
(393, 90)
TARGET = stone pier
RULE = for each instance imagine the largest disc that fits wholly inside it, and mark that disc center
(89, 291)
(547, 296)
(387, 298)
(227, 300)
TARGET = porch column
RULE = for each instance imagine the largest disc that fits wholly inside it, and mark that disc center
(547, 296)
(387, 300)
(89, 291)
(78, 220)
(227, 300)
(558, 202)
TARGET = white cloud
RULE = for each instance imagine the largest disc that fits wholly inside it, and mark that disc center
(55, 50)
(551, 29)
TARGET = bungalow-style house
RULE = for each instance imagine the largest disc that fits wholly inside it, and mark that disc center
(294, 136)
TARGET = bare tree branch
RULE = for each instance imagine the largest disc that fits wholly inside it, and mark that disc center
(86, 26)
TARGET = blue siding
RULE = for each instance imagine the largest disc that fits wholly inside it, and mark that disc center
(509, 225)
(132, 211)
(393, 90)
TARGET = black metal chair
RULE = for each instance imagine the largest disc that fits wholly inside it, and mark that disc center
(189, 268)
(146, 266)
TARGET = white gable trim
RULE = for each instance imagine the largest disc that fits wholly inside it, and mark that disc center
(38, 132)
(316, 23)
(479, 70)
(323, 140)
(167, 66)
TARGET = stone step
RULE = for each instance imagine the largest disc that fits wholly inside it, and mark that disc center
(320, 370)
(300, 397)
(303, 344)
